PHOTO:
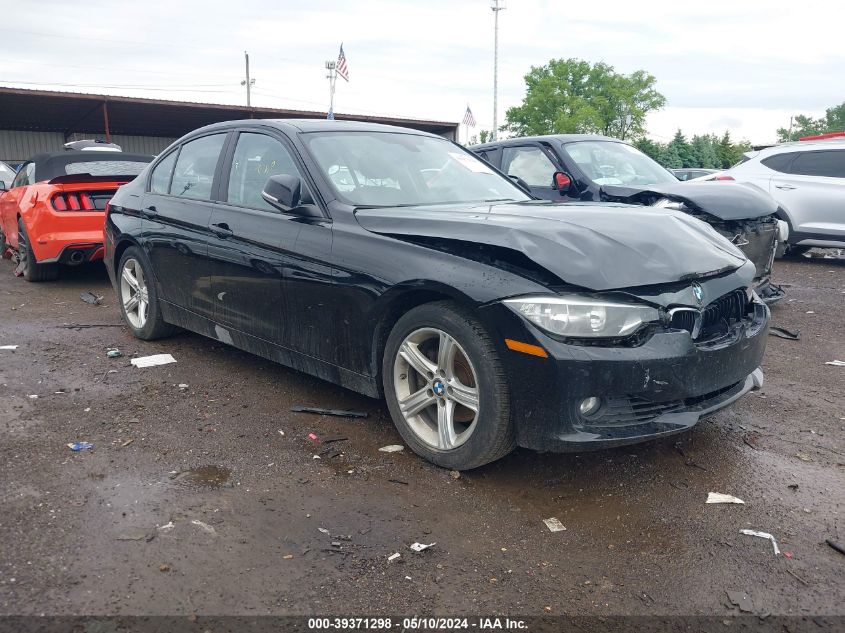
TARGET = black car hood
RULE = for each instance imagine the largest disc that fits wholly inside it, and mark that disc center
(594, 246)
(723, 199)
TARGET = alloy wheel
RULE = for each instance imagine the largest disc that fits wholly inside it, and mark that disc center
(133, 293)
(436, 388)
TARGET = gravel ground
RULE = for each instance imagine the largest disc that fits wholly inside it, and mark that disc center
(208, 499)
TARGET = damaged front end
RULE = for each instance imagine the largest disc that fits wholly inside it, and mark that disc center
(742, 213)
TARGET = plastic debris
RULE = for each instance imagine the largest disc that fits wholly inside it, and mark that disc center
(763, 535)
(336, 412)
(80, 446)
(741, 600)
(166, 527)
(281, 432)
(11, 347)
(204, 526)
(33, 396)
(323, 530)
(455, 474)
(803, 457)
(836, 363)
(420, 547)
(313, 437)
(392, 448)
(287, 557)
(718, 497)
(114, 353)
(782, 332)
(393, 557)
(126, 443)
(554, 524)
(838, 547)
(90, 297)
(183, 385)
(153, 361)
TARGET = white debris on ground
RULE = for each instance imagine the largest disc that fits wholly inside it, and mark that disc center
(763, 535)
(718, 497)
(153, 361)
(554, 524)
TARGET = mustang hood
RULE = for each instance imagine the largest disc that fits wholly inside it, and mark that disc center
(724, 200)
(599, 247)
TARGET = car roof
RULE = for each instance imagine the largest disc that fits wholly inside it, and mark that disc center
(807, 146)
(50, 165)
(314, 125)
(560, 138)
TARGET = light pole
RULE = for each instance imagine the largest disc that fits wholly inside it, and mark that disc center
(249, 83)
(332, 77)
(496, 6)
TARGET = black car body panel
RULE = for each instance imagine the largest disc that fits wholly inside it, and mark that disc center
(743, 214)
(320, 291)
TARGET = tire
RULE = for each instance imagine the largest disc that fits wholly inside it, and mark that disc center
(143, 317)
(30, 268)
(475, 437)
(794, 252)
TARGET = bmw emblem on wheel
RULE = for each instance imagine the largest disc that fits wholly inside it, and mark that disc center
(698, 291)
(438, 388)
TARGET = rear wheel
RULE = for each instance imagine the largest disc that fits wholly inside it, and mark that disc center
(138, 299)
(30, 269)
(445, 387)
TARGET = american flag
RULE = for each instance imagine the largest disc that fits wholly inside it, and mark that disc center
(342, 68)
(468, 118)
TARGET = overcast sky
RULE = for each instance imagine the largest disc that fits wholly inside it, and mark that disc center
(743, 65)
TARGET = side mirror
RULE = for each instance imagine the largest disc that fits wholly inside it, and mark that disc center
(283, 191)
(561, 181)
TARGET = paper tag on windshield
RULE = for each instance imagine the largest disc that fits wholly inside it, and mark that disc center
(473, 164)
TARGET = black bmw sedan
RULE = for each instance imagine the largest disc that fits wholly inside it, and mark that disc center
(399, 265)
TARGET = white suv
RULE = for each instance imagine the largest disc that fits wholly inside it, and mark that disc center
(807, 178)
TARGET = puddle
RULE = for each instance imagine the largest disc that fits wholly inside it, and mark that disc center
(207, 476)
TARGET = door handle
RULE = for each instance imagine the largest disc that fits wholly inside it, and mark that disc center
(787, 187)
(221, 230)
(149, 212)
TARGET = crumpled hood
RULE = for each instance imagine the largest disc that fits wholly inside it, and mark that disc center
(595, 246)
(725, 200)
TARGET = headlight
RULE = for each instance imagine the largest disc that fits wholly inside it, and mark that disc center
(583, 317)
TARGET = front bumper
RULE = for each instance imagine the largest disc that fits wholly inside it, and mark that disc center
(660, 387)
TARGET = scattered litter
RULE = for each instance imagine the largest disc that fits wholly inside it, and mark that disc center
(12, 347)
(126, 443)
(164, 568)
(554, 524)
(782, 332)
(838, 547)
(763, 535)
(803, 457)
(337, 412)
(205, 526)
(183, 386)
(718, 497)
(393, 557)
(336, 543)
(33, 396)
(313, 437)
(793, 486)
(398, 481)
(796, 576)
(392, 448)
(836, 363)
(153, 361)
(334, 438)
(137, 536)
(455, 474)
(287, 557)
(166, 527)
(323, 530)
(408, 578)
(419, 547)
(741, 600)
(80, 446)
(810, 312)
(86, 409)
(282, 433)
(90, 297)
(787, 554)
(114, 353)
(316, 457)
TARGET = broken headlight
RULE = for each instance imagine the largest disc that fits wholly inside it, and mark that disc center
(583, 317)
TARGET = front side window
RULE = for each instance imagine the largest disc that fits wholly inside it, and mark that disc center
(195, 167)
(827, 163)
(257, 158)
(612, 163)
(531, 164)
(160, 178)
(400, 169)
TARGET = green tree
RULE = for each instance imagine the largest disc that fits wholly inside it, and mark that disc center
(484, 136)
(680, 148)
(803, 125)
(702, 152)
(650, 148)
(573, 96)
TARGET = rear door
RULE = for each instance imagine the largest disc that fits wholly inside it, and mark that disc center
(535, 165)
(176, 212)
(251, 241)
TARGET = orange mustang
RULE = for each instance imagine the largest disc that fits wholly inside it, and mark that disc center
(54, 210)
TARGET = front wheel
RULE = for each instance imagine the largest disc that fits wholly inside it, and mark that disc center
(445, 387)
(138, 299)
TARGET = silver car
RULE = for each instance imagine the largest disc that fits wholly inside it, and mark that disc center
(807, 179)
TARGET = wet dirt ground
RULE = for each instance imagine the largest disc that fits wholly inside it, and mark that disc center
(208, 498)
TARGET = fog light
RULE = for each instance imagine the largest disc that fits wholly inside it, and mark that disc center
(589, 406)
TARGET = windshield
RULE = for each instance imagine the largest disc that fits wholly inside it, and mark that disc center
(391, 169)
(611, 163)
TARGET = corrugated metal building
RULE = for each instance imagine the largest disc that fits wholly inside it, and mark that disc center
(33, 121)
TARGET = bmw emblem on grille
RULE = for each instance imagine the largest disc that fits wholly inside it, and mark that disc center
(698, 291)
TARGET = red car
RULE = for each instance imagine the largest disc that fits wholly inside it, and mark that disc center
(54, 210)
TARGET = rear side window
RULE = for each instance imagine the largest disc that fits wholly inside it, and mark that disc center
(530, 164)
(827, 163)
(194, 172)
(780, 162)
(160, 178)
